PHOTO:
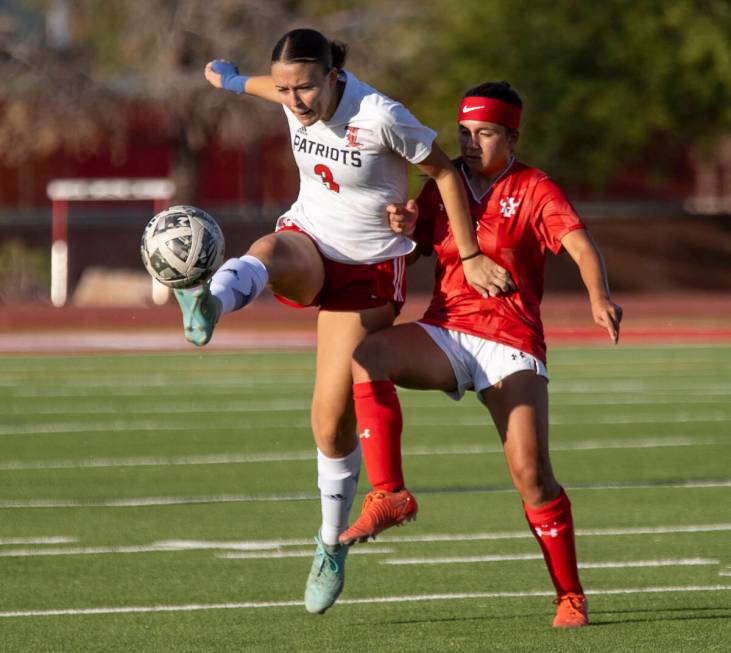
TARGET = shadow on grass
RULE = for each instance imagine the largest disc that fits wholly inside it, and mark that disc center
(485, 617)
(654, 614)
(662, 614)
(490, 489)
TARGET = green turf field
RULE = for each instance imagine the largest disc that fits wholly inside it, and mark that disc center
(167, 503)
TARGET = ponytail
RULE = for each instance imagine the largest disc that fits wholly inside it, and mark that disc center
(339, 51)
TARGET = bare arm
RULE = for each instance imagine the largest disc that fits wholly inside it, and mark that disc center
(583, 250)
(261, 85)
(482, 273)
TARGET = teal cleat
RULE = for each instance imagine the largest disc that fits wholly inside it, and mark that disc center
(327, 577)
(200, 313)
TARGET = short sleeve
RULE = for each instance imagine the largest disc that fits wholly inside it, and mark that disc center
(554, 215)
(405, 135)
(428, 203)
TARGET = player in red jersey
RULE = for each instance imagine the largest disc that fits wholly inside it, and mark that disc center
(493, 345)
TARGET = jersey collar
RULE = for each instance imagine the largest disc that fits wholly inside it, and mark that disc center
(345, 109)
(505, 170)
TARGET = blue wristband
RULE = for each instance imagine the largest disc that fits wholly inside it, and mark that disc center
(231, 80)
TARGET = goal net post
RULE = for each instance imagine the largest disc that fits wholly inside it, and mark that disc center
(62, 192)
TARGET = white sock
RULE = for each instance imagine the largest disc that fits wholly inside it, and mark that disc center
(337, 479)
(238, 282)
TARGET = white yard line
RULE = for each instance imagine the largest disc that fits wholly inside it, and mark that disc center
(275, 546)
(649, 485)
(139, 502)
(581, 532)
(208, 388)
(669, 398)
(210, 407)
(298, 554)
(162, 547)
(14, 541)
(641, 564)
(91, 550)
(255, 404)
(629, 387)
(211, 459)
(447, 560)
(276, 457)
(619, 564)
(481, 421)
(251, 605)
(592, 394)
(159, 427)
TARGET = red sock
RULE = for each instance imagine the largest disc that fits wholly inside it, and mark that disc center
(553, 527)
(378, 412)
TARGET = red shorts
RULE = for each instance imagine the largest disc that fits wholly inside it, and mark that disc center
(356, 287)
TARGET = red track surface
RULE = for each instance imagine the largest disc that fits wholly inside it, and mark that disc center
(698, 319)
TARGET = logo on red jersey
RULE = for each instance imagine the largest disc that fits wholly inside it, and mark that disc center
(509, 206)
(351, 133)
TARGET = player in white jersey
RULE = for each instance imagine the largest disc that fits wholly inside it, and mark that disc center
(334, 248)
(351, 167)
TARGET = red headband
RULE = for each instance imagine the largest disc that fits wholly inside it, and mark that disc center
(489, 110)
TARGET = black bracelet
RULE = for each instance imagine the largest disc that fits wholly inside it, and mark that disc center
(467, 258)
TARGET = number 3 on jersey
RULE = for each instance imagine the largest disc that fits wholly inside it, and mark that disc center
(326, 175)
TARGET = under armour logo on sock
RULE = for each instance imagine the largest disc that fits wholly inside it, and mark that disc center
(366, 434)
(336, 497)
(551, 532)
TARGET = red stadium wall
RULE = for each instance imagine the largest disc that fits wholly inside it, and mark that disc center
(246, 188)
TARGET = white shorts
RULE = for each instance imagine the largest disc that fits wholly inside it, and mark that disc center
(479, 363)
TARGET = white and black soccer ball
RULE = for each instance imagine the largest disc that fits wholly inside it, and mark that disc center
(182, 246)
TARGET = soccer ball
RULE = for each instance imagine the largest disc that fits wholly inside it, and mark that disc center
(182, 246)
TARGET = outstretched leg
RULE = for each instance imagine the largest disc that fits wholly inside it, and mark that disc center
(519, 407)
(286, 262)
(405, 355)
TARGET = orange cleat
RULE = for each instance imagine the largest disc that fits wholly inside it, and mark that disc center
(571, 611)
(380, 511)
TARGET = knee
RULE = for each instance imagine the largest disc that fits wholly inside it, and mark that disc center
(294, 265)
(334, 434)
(369, 360)
(535, 482)
(265, 249)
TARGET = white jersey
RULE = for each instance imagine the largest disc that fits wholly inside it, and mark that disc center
(351, 167)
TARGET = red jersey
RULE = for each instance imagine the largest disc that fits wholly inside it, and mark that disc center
(520, 216)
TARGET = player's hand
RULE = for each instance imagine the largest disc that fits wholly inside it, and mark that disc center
(607, 314)
(223, 74)
(487, 277)
(402, 217)
(213, 75)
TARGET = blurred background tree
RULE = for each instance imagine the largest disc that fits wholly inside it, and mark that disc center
(75, 72)
(606, 85)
